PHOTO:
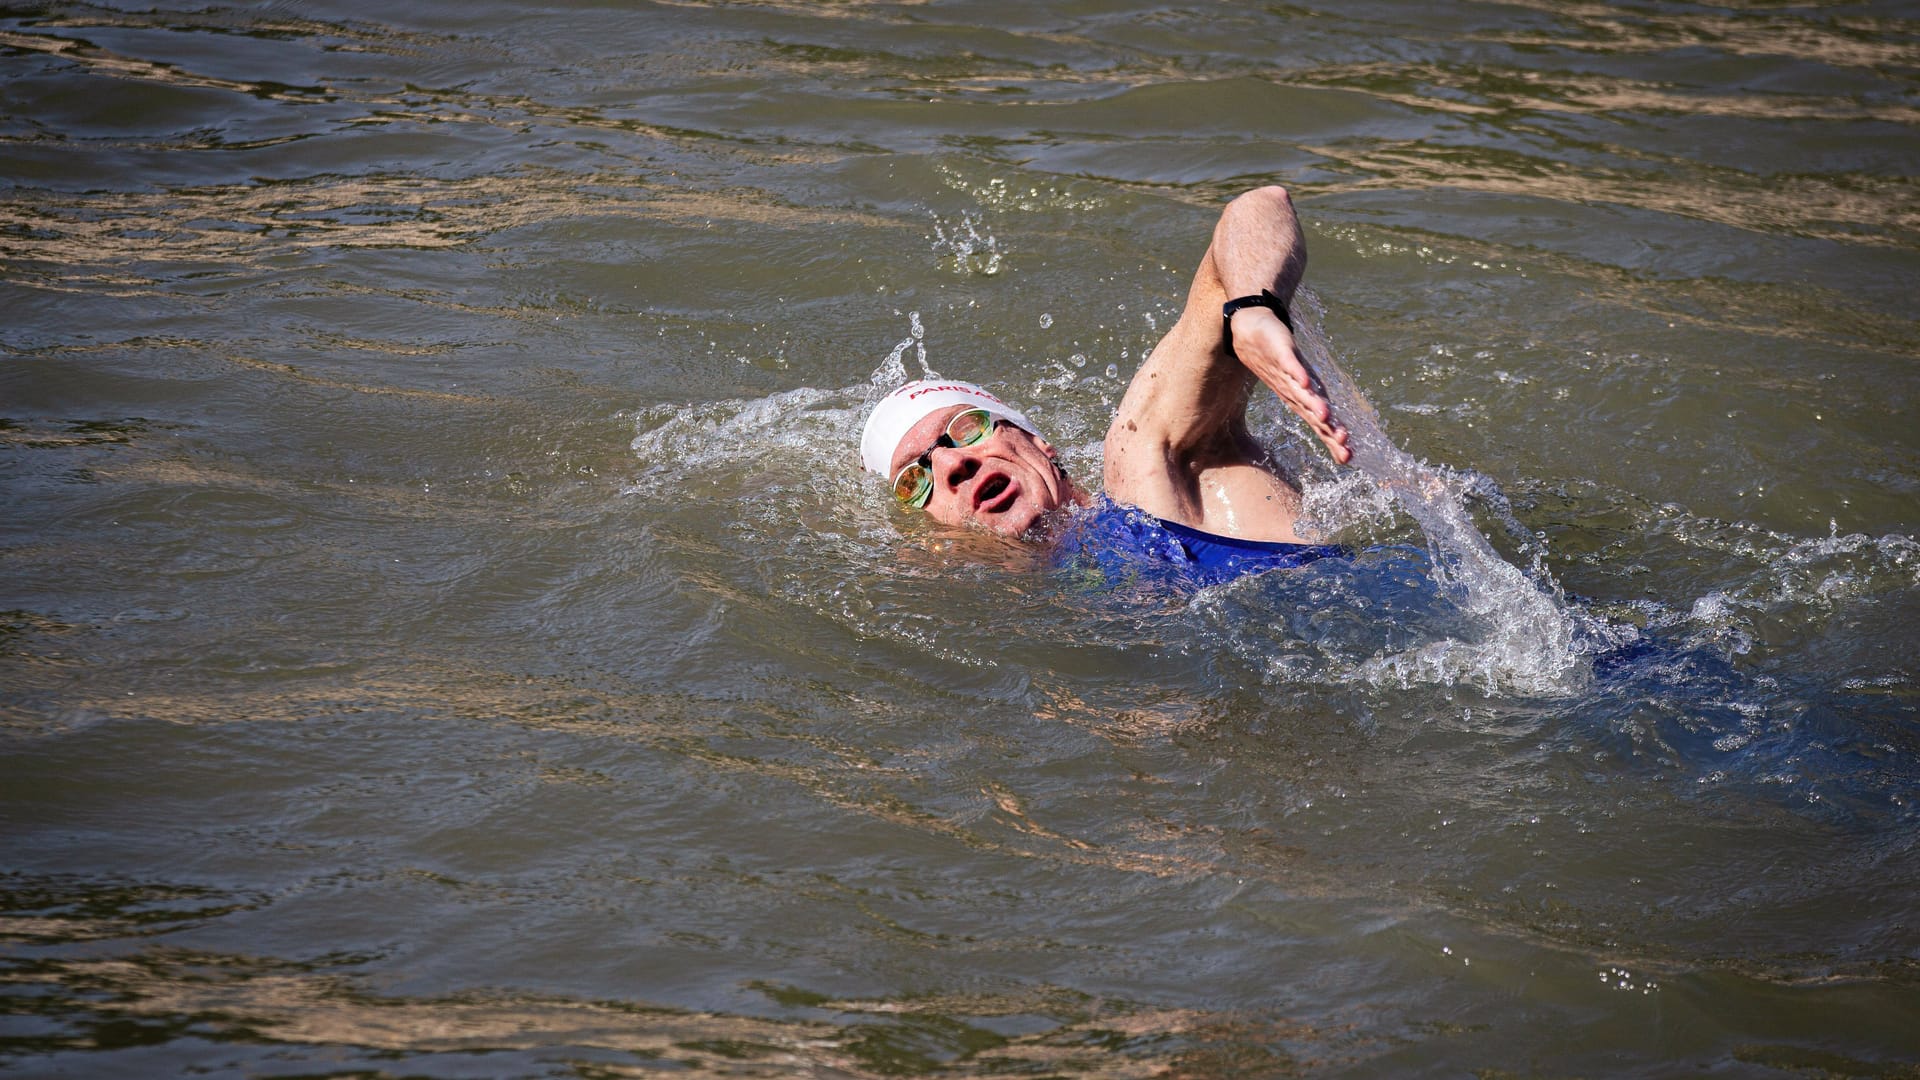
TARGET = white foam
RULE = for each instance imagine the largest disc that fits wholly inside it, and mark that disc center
(1527, 639)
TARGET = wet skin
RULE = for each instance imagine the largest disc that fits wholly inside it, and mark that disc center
(1004, 483)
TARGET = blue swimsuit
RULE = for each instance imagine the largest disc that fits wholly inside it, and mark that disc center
(1126, 542)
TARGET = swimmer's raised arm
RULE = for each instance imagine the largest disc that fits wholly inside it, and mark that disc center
(1193, 389)
(1179, 446)
(1257, 246)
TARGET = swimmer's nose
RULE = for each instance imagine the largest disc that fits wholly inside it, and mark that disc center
(955, 465)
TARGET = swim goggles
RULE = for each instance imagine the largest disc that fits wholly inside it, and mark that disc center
(913, 484)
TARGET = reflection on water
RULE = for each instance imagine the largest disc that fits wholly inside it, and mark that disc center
(1845, 40)
(1859, 208)
(246, 1012)
(444, 629)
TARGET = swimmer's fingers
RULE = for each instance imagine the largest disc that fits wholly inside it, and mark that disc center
(1266, 347)
(1332, 433)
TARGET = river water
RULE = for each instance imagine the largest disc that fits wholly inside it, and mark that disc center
(443, 631)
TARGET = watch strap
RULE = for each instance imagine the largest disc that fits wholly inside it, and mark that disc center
(1265, 299)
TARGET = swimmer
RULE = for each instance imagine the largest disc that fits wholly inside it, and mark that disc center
(1185, 480)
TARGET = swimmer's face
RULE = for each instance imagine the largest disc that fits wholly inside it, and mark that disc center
(1003, 483)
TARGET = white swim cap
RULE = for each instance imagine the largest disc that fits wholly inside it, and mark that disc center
(899, 411)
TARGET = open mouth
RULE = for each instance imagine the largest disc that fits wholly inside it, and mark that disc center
(994, 489)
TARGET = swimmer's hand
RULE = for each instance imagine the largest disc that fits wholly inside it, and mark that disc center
(1266, 347)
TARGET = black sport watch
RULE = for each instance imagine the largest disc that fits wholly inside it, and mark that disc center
(1266, 299)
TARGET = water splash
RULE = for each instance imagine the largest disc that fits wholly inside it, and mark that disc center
(974, 251)
(1794, 584)
(688, 446)
(674, 444)
(1527, 638)
(892, 371)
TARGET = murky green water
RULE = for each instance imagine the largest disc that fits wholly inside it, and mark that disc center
(443, 632)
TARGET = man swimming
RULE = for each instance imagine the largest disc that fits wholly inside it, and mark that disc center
(1185, 480)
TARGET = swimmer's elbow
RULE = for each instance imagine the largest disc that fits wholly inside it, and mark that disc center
(1271, 197)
